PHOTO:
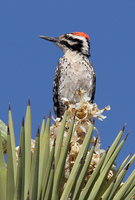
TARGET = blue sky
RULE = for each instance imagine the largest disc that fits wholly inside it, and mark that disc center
(27, 63)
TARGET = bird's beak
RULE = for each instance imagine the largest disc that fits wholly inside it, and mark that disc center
(52, 39)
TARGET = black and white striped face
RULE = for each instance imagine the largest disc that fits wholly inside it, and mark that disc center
(76, 41)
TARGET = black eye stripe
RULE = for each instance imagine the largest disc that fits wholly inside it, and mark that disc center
(74, 47)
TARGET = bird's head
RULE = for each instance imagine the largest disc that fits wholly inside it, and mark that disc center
(75, 41)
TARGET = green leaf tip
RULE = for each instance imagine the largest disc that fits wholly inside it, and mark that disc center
(126, 135)
(23, 121)
(108, 148)
(128, 165)
(49, 114)
(123, 127)
(9, 106)
(93, 122)
(29, 101)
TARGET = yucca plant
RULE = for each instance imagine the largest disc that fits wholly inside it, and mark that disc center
(46, 169)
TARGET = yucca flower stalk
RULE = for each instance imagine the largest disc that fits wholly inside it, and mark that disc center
(62, 163)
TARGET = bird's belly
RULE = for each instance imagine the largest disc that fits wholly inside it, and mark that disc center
(73, 80)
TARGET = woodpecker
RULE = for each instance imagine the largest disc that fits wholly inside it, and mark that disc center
(74, 69)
